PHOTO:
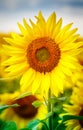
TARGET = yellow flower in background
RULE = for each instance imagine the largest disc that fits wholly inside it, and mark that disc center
(2, 56)
(25, 112)
(76, 108)
(77, 95)
(78, 76)
(6, 85)
(45, 54)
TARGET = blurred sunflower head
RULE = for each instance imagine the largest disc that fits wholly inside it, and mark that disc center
(25, 112)
(77, 76)
(6, 85)
(44, 54)
(76, 109)
(2, 56)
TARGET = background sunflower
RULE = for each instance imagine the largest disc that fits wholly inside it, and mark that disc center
(76, 109)
(25, 112)
(6, 85)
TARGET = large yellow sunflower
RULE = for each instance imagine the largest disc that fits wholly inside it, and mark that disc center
(25, 112)
(75, 109)
(44, 54)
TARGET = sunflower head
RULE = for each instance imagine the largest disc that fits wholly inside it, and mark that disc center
(2, 56)
(45, 54)
(76, 109)
(25, 111)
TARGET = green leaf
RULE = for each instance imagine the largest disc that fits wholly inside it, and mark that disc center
(60, 126)
(37, 103)
(2, 108)
(25, 129)
(48, 115)
(7, 125)
(2, 124)
(69, 117)
(33, 125)
(24, 95)
(10, 126)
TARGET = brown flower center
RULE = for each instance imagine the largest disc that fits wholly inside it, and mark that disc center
(81, 121)
(43, 54)
(25, 109)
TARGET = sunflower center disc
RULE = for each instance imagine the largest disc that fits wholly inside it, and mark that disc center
(43, 54)
(81, 121)
(25, 109)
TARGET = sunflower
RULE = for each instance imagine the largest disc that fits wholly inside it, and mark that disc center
(6, 85)
(45, 54)
(2, 56)
(76, 109)
(25, 111)
(77, 76)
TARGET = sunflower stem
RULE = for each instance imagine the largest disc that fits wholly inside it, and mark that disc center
(50, 109)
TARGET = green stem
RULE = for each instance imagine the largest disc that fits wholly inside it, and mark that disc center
(50, 109)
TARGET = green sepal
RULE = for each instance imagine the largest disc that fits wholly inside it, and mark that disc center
(3, 107)
(37, 103)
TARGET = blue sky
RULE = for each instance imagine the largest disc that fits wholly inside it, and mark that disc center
(13, 11)
(17, 5)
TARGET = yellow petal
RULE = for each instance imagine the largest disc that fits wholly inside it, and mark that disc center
(22, 29)
(27, 78)
(51, 22)
(57, 28)
(45, 83)
(15, 42)
(17, 69)
(62, 33)
(14, 60)
(40, 16)
(27, 26)
(36, 82)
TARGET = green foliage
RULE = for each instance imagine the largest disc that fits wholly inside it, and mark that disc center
(48, 115)
(69, 117)
(36, 125)
(60, 127)
(7, 125)
(33, 124)
(9, 86)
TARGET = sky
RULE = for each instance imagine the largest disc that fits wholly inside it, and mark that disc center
(13, 11)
